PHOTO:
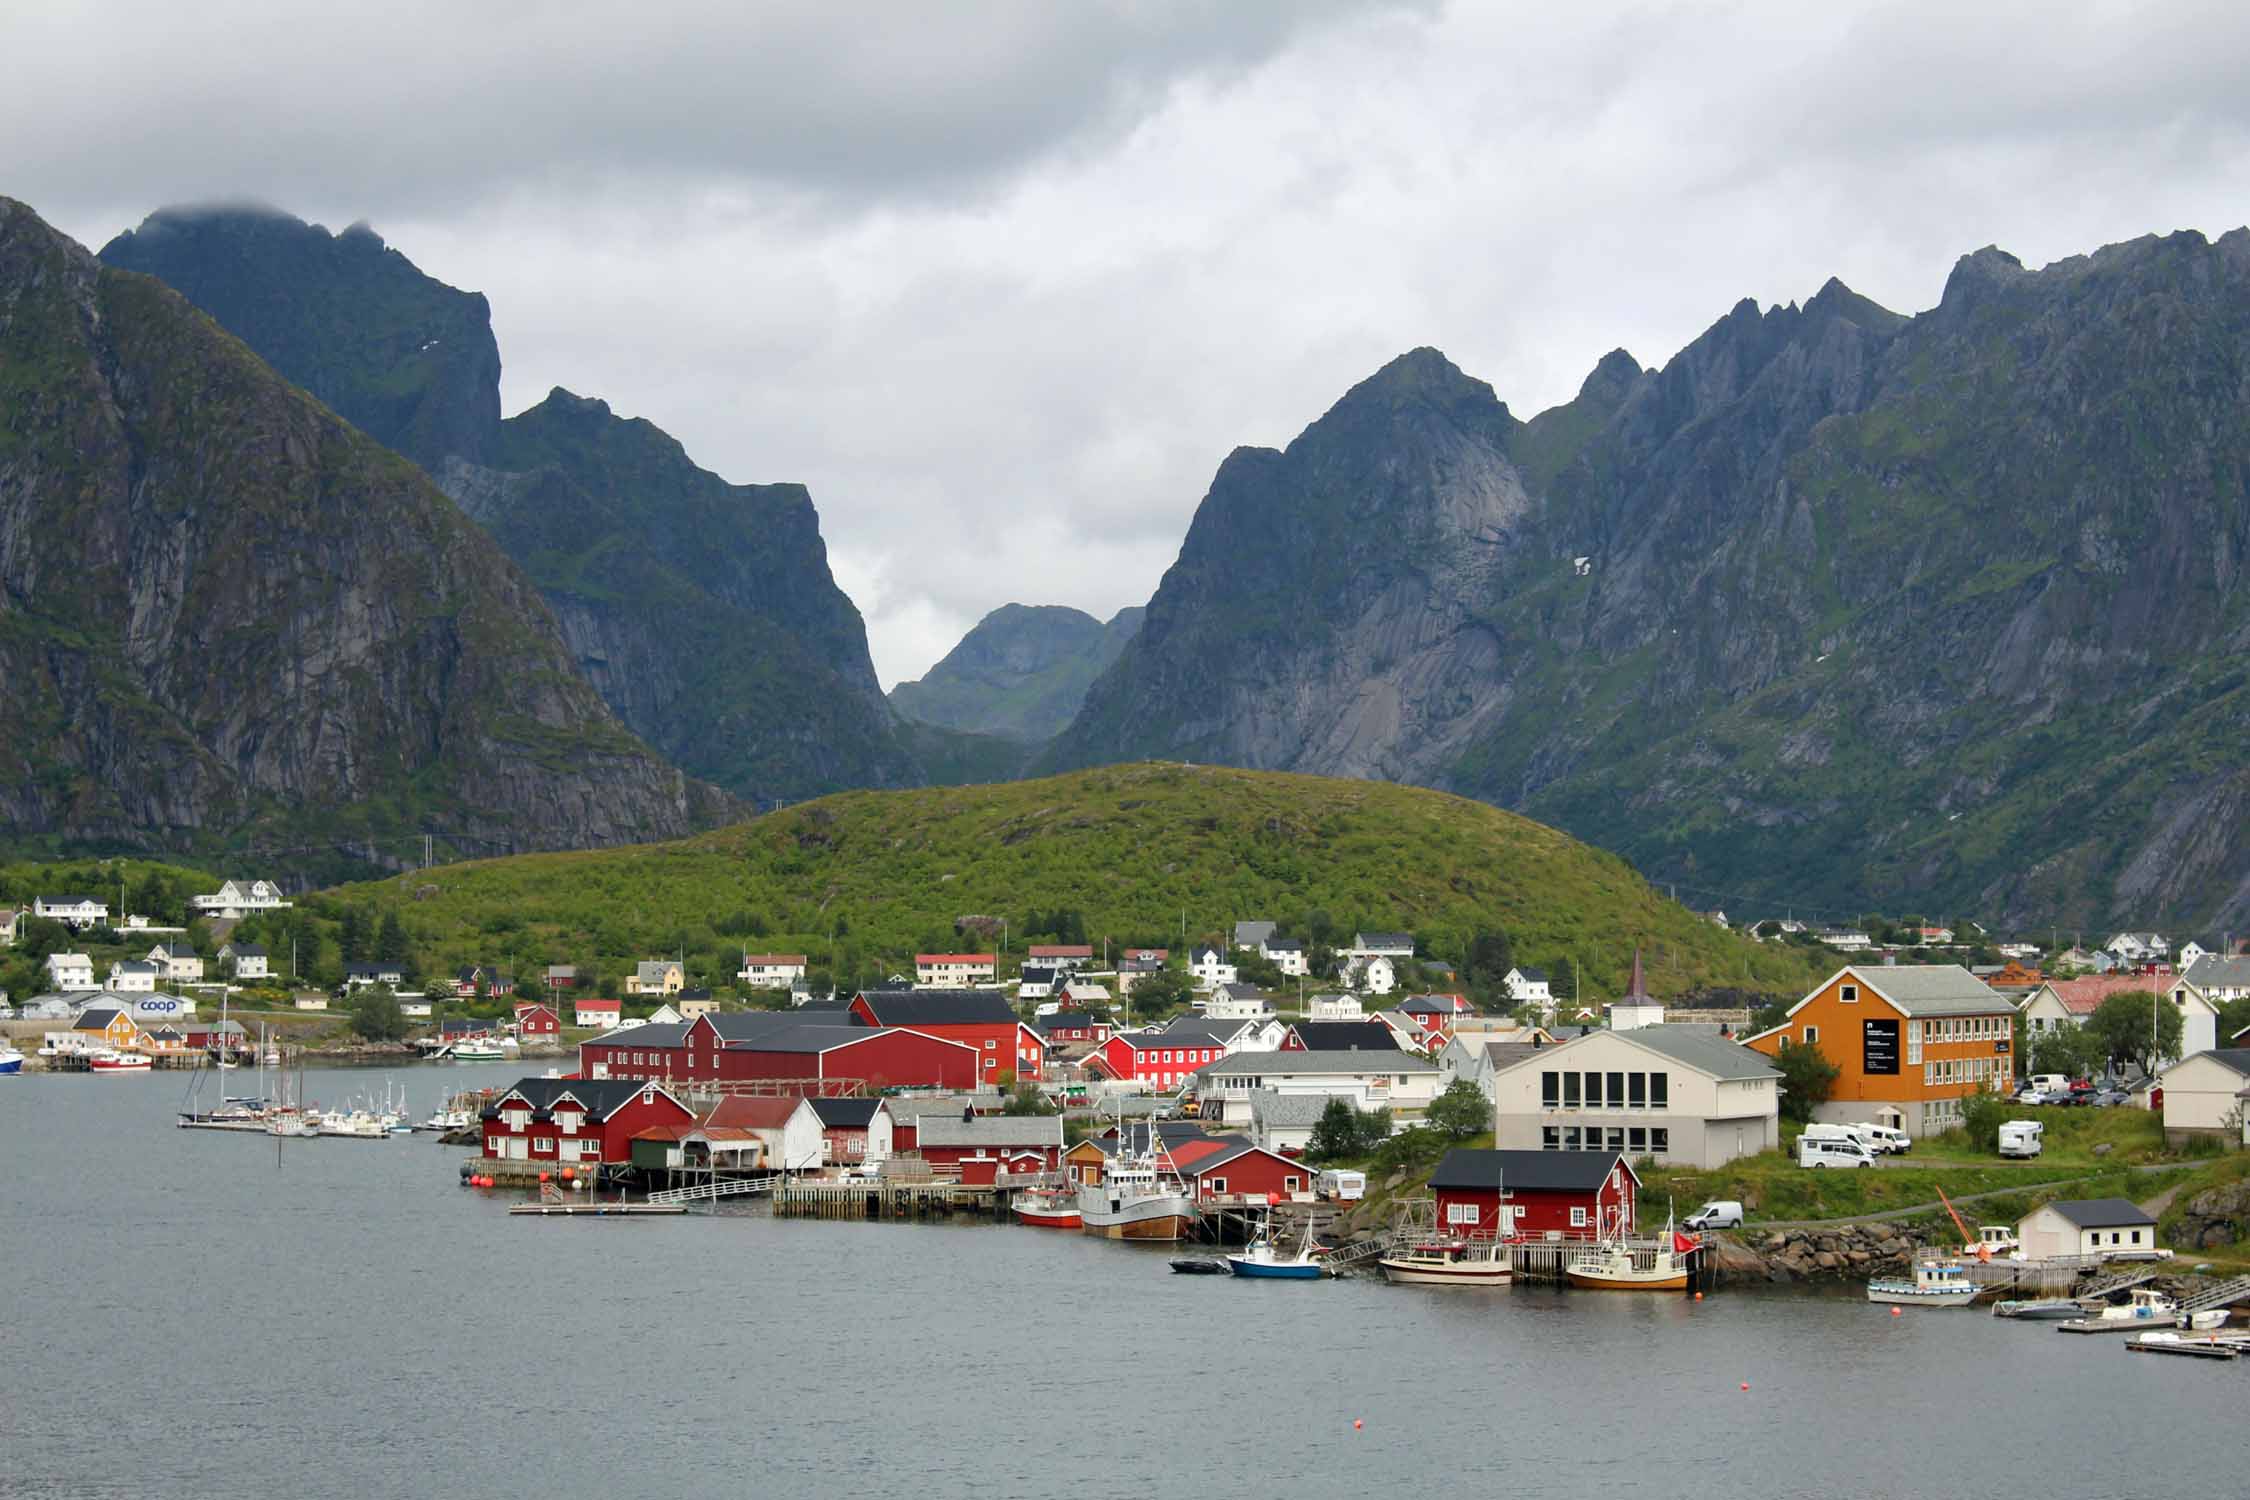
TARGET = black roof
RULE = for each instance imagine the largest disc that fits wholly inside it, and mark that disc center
(846, 1114)
(1074, 1019)
(601, 1096)
(1525, 1171)
(1346, 1036)
(937, 1007)
(2101, 1213)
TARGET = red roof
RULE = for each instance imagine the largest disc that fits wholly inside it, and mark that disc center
(1062, 950)
(2081, 997)
(770, 959)
(1189, 1152)
(591, 1003)
(953, 958)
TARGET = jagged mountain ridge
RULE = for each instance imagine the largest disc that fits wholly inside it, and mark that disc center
(1941, 609)
(704, 612)
(229, 620)
(1021, 672)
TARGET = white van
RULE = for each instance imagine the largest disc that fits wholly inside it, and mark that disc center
(1862, 1134)
(1815, 1151)
(2050, 1083)
(2021, 1138)
(1342, 1187)
(1722, 1213)
(1884, 1138)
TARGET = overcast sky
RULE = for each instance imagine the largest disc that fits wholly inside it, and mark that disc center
(1004, 282)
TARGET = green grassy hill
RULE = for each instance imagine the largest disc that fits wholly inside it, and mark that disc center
(862, 880)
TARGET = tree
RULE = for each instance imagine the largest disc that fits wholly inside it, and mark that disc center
(1460, 1112)
(36, 937)
(1342, 1132)
(1161, 993)
(2134, 1026)
(376, 1016)
(1026, 1099)
(2073, 1051)
(351, 935)
(1981, 1116)
(1256, 968)
(1806, 1078)
(391, 946)
(1490, 956)
(2234, 1015)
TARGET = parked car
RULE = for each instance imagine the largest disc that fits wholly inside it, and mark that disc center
(2111, 1098)
(1722, 1213)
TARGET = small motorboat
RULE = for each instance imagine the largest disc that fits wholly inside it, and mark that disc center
(1201, 1265)
(1262, 1258)
(2042, 1309)
(11, 1061)
(478, 1049)
(2144, 1307)
(2206, 1320)
(1935, 1283)
(118, 1062)
(1449, 1263)
(1041, 1209)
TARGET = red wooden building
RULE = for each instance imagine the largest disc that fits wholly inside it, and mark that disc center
(1436, 1013)
(1159, 1060)
(1072, 1026)
(854, 1130)
(1013, 1143)
(573, 1121)
(1535, 1194)
(980, 1019)
(534, 1019)
(1240, 1171)
(824, 1051)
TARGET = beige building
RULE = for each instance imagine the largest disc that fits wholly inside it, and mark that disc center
(656, 976)
(2086, 1226)
(2202, 1094)
(1678, 1094)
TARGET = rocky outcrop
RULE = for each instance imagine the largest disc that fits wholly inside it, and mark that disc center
(2213, 1219)
(1021, 673)
(230, 620)
(1831, 1252)
(1838, 606)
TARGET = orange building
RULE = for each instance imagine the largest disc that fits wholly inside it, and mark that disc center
(1909, 1042)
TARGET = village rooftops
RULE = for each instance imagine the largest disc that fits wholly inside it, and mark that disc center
(846, 1114)
(1929, 989)
(1528, 1171)
(2101, 1213)
(990, 1130)
(1346, 1036)
(602, 1097)
(2082, 997)
(1252, 934)
(938, 1007)
(2214, 972)
(1256, 1064)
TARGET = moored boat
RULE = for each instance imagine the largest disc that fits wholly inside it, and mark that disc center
(1133, 1203)
(477, 1049)
(2044, 1309)
(118, 1062)
(1614, 1266)
(1263, 1259)
(1449, 1263)
(1041, 1209)
(1935, 1283)
(11, 1061)
(1201, 1265)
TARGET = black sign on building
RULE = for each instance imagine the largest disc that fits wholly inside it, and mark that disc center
(1879, 1047)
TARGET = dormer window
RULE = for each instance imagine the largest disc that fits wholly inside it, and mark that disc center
(1849, 994)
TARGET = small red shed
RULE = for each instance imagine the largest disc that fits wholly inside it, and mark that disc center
(1535, 1194)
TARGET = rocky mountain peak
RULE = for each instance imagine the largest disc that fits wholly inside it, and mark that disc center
(1978, 274)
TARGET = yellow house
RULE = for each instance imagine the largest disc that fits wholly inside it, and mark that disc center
(656, 976)
(106, 1026)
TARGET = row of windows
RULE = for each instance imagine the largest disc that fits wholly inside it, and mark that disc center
(1560, 1090)
(1960, 1029)
(1965, 1070)
(1633, 1140)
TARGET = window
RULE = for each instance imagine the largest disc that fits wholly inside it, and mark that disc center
(1570, 1091)
(1638, 1085)
(1578, 1217)
(1616, 1137)
(1660, 1091)
(1550, 1089)
(1637, 1139)
(1849, 994)
(1289, 1184)
(1659, 1140)
(1550, 1138)
(1617, 1091)
(1570, 1138)
(1812, 1035)
(1218, 1184)
(1463, 1213)
(1593, 1091)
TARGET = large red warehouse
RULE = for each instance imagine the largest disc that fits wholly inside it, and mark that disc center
(981, 1019)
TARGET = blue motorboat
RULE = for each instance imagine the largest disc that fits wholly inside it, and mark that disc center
(11, 1061)
(1262, 1258)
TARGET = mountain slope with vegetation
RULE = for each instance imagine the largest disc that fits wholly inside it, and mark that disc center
(230, 621)
(1021, 673)
(1839, 609)
(703, 612)
(862, 881)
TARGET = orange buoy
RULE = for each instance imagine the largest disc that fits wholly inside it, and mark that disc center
(542, 1177)
(1357, 1424)
(1699, 1296)
(1894, 1312)
(1746, 1385)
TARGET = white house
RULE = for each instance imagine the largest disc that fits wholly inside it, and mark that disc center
(2199, 1016)
(415, 1010)
(1335, 1008)
(1284, 1122)
(1250, 937)
(1373, 973)
(310, 1000)
(1382, 945)
(2093, 960)
(2139, 947)
(1285, 954)
(953, 971)
(2192, 953)
(1210, 968)
(240, 898)
(75, 912)
(1844, 939)
(11, 921)
(1401, 1082)
(771, 971)
(1525, 985)
(1679, 1094)
(248, 960)
(133, 976)
(70, 972)
(1476, 1057)
(664, 1015)
(360, 976)
(2018, 951)
(2202, 1094)
(2220, 979)
(592, 1010)
(2085, 1226)
(2068, 1002)
(1236, 1002)
(180, 963)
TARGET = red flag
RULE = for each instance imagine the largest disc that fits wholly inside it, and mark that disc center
(1682, 1244)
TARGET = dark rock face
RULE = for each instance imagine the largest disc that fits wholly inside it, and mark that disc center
(229, 619)
(1838, 607)
(703, 612)
(406, 359)
(1021, 673)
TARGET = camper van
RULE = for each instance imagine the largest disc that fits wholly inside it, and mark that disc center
(1829, 1151)
(1342, 1187)
(1884, 1138)
(2021, 1138)
(1862, 1134)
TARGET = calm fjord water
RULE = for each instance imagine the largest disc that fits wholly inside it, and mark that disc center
(182, 1318)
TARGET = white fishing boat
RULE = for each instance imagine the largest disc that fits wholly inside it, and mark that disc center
(108, 1062)
(477, 1049)
(1935, 1283)
(1140, 1196)
(1449, 1263)
(11, 1061)
(1262, 1258)
(351, 1124)
(2144, 1306)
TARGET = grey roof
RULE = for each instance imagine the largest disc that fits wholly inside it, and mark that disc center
(1932, 989)
(1500, 1055)
(2237, 1058)
(1240, 991)
(907, 1111)
(2101, 1213)
(2225, 973)
(601, 1096)
(1284, 945)
(97, 1017)
(991, 1130)
(1536, 976)
(1251, 934)
(646, 1034)
(1386, 940)
(242, 950)
(1257, 1063)
(1270, 1108)
(1696, 1047)
(133, 966)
